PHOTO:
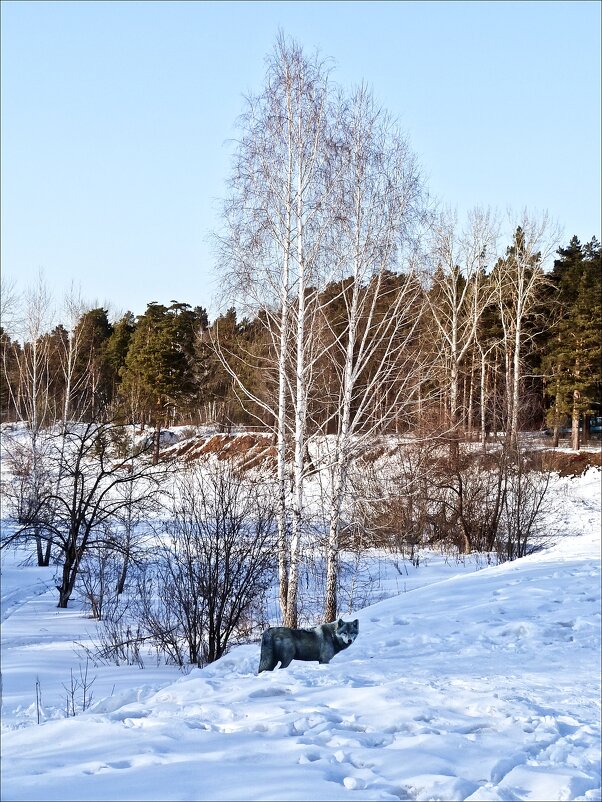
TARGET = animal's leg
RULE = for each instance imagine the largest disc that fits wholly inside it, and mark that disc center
(267, 660)
(267, 664)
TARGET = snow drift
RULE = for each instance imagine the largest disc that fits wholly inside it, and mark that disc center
(480, 686)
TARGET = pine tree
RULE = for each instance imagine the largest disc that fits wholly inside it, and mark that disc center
(573, 354)
(116, 348)
(10, 354)
(158, 378)
(92, 333)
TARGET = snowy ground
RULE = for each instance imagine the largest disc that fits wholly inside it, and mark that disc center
(480, 685)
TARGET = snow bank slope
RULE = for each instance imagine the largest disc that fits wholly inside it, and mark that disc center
(483, 686)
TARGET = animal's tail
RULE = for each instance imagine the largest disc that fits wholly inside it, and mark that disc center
(266, 659)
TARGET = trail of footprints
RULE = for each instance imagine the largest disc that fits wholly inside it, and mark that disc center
(341, 747)
(344, 744)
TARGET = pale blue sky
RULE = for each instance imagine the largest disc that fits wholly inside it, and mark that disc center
(116, 116)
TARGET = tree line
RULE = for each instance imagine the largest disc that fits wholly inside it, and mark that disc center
(454, 335)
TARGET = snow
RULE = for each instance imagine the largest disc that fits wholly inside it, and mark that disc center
(472, 685)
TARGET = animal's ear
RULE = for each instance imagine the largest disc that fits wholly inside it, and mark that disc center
(340, 623)
(357, 623)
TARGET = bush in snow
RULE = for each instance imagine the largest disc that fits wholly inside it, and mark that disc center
(206, 584)
(88, 494)
(484, 503)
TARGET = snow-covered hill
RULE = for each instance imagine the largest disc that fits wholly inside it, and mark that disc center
(483, 685)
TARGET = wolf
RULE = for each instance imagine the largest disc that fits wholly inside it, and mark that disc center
(283, 644)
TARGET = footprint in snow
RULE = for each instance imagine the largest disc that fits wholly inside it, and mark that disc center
(309, 757)
(120, 764)
(314, 723)
(261, 693)
(361, 683)
(199, 725)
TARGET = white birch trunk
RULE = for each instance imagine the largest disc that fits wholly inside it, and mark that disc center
(514, 420)
(291, 619)
(483, 401)
(340, 468)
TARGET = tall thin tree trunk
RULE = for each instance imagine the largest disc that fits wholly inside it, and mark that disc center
(556, 436)
(453, 413)
(470, 398)
(283, 566)
(157, 443)
(575, 440)
(291, 619)
(120, 586)
(514, 420)
(339, 480)
(483, 401)
(494, 409)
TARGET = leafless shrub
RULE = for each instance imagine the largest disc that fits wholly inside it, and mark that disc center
(390, 505)
(120, 638)
(88, 492)
(97, 577)
(166, 614)
(522, 525)
(492, 503)
(220, 548)
(205, 587)
(29, 480)
(78, 694)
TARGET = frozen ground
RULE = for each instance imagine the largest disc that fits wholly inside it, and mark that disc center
(480, 685)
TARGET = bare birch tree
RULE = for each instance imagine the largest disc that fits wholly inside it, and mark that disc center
(274, 221)
(519, 279)
(73, 379)
(457, 297)
(31, 399)
(486, 368)
(377, 207)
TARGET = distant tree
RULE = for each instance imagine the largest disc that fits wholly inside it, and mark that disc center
(573, 354)
(116, 349)
(217, 390)
(519, 281)
(33, 373)
(457, 298)
(92, 333)
(11, 355)
(10, 351)
(157, 377)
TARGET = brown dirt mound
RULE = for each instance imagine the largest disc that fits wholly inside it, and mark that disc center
(246, 450)
(256, 450)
